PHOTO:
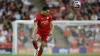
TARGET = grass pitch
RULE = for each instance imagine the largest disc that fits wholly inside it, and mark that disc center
(57, 55)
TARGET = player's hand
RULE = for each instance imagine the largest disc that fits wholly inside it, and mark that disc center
(33, 35)
(50, 34)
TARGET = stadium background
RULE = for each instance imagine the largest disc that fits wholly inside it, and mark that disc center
(64, 39)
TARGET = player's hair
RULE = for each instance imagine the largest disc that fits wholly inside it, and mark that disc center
(45, 8)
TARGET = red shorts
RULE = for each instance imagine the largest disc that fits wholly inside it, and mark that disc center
(44, 36)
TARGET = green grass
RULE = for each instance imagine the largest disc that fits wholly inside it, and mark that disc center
(58, 55)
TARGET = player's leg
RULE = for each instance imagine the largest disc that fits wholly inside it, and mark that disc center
(36, 38)
(41, 48)
(44, 39)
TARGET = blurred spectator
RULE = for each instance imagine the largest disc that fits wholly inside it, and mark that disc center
(2, 37)
(97, 36)
(27, 41)
(32, 16)
(21, 34)
(52, 3)
(67, 32)
(10, 35)
(27, 2)
(17, 16)
(81, 41)
(94, 17)
(1, 26)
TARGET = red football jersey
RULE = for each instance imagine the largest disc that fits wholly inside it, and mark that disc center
(43, 22)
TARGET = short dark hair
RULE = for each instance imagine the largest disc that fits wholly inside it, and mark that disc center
(45, 8)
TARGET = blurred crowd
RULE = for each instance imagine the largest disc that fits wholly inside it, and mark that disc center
(82, 35)
(11, 10)
(64, 9)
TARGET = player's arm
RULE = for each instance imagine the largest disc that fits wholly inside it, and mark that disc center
(34, 27)
(52, 27)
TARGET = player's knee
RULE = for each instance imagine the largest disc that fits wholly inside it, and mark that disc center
(43, 45)
(34, 41)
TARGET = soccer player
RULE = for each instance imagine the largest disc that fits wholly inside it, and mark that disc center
(43, 28)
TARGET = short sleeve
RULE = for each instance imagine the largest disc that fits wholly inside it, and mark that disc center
(50, 18)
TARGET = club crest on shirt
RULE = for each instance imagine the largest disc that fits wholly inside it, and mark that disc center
(45, 22)
(41, 18)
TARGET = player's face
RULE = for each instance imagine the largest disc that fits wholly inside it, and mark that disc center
(46, 12)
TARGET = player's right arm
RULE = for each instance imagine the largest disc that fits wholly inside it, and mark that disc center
(35, 26)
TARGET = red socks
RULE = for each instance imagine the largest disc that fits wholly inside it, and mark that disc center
(35, 45)
(40, 52)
